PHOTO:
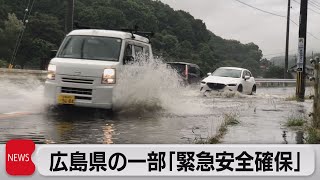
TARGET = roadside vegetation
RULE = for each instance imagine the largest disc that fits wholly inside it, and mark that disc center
(294, 98)
(312, 134)
(291, 98)
(230, 119)
(295, 122)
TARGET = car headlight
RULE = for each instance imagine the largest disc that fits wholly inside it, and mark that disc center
(51, 72)
(109, 76)
(232, 84)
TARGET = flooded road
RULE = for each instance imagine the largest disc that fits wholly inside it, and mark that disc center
(181, 120)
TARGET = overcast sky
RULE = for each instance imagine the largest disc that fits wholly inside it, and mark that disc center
(233, 20)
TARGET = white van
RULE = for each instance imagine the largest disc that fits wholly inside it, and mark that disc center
(85, 69)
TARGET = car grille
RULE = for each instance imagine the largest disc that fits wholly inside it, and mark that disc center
(216, 86)
(77, 81)
(79, 91)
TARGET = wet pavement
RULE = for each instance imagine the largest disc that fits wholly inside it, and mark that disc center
(185, 119)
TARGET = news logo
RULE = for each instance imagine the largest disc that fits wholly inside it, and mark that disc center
(18, 157)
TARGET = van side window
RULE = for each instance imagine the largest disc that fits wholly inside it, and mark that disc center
(128, 50)
(147, 52)
(128, 54)
(139, 54)
(138, 50)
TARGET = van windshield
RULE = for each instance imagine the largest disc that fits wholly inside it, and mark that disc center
(91, 48)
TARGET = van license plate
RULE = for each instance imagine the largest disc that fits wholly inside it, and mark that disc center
(66, 99)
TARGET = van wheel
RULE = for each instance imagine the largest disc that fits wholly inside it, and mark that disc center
(254, 90)
(240, 88)
(110, 111)
(104, 113)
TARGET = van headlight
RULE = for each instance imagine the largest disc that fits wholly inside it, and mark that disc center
(109, 76)
(51, 72)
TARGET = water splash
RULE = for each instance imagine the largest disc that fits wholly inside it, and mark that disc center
(151, 86)
(226, 94)
(21, 94)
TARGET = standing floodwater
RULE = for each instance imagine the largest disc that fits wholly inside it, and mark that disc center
(151, 107)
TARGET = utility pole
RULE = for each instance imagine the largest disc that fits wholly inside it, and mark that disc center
(315, 114)
(287, 42)
(301, 61)
(69, 16)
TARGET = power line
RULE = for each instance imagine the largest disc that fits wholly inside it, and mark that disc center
(20, 37)
(308, 8)
(311, 3)
(298, 24)
(20, 34)
(309, 33)
(260, 9)
(274, 14)
(314, 3)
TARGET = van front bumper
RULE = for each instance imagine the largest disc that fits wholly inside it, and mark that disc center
(85, 96)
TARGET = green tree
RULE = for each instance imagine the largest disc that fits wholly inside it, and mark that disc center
(9, 35)
(274, 72)
(43, 33)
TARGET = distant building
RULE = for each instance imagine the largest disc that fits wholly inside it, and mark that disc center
(309, 70)
(265, 64)
(280, 60)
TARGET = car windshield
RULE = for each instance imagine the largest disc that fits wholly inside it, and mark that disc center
(222, 72)
(91, 48)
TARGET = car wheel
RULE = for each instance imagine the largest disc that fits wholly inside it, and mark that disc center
(254, 90)
(240, 88)
(206, 93)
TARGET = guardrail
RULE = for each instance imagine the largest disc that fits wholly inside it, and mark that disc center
(21, 71)
(265, 80)
(22, 74)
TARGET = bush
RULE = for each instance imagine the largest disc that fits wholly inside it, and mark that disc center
(295, 122)
(313, 136)
(3, 64)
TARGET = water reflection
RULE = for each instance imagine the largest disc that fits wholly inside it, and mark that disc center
(78, 125)
(284, 136)
(108, 131)
(300, 137)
